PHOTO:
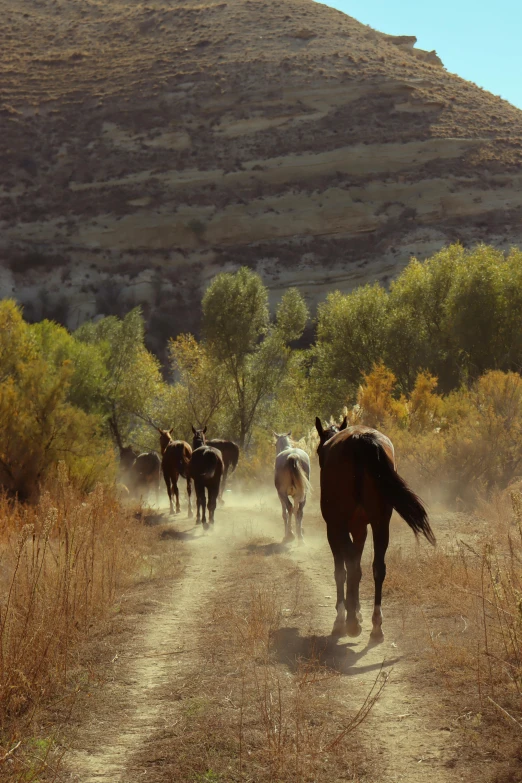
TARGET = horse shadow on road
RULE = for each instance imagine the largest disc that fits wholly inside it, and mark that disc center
(274, 548)
(292, 649)
(192, 534)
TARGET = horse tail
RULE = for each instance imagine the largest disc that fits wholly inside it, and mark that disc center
(368, 453)
(299, 477)
(182, 464)
(210, 462)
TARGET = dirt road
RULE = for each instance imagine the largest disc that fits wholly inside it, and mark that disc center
(228, 672)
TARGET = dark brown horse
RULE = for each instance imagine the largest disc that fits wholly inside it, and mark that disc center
(230, 453)
(175, 462)
(144, 475)
(127, 458)
(359, 487)
(206, 468)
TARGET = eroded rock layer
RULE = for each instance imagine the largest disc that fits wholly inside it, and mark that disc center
(145, 146)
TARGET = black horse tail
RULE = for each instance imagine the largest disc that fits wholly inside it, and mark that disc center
(368, 453)
(209, 464)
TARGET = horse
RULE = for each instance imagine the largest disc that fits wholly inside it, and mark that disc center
(360, 486)
(292, 480)
(230, 453)
(175, 462)
(127, 458)
(144, 474)
(206, 468)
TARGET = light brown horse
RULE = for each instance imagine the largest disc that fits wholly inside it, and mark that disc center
(175, 462)
(359, 487)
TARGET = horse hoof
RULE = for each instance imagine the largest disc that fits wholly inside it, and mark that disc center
(300, 541)
(376, 636)
(190, 515)
(353, 629)
(205, 525)
(198, 521)
(339, 629)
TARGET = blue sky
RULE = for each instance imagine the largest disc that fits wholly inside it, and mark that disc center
(478, 40)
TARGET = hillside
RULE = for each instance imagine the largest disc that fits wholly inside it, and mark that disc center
(145, 146)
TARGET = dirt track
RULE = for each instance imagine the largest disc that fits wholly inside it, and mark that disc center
(160, 674)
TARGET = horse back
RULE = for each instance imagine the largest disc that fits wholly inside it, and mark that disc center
(176, 458)
(283, 472)
(206, 464)
(347, 485)
(351, 436)
(229, 451)
(146, 466)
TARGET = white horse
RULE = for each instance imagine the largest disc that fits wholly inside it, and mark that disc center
(292, 480)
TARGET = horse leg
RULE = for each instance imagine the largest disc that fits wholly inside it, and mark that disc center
(197, 487)
(202, 500)
(353, 554)
(176, 491)
(287, 516)
(381, 537)
(213, 494)
(222, 486)
(335, 541)
(169, 491)
(189, 493)
(299, 521)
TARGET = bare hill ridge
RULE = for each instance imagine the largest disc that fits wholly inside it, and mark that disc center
(145, 146)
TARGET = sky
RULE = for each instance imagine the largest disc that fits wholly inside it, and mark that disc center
(479, 40)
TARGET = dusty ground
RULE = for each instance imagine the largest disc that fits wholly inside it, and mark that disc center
(215, 666)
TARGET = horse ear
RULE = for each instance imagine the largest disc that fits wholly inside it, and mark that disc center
(319, 426)
(289, 434)
(275, 434)
(344, 424)
(193, 430)
(204, 429)
(169, 431)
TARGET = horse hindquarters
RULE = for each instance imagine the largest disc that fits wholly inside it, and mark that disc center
(301, 484)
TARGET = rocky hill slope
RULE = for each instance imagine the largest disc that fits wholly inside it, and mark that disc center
(145, 146)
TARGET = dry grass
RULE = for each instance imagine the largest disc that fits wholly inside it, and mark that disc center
(259, 719)
(61, 564)
(468, 595)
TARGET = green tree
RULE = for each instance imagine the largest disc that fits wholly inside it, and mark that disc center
(351, 338)
(201, 381)
(39, 425)
(88, 362)
(132, 378)
(253, 352)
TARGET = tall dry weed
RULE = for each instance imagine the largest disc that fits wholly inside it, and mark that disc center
(61, 562)
(284, 724)
(468, 592)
